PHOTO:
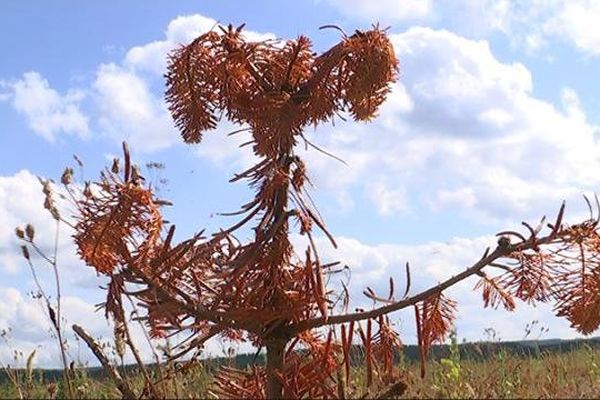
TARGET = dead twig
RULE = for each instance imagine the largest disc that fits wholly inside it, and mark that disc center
(110, 369)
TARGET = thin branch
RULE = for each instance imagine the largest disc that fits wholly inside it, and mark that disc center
(314, 146)
(150, 387)
(193, 308)
(499, 252)
(110, 369)
(407, 281)
(501, 266)
(58, 312)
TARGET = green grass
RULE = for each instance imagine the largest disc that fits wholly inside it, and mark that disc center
(502, 374)
(575, 374)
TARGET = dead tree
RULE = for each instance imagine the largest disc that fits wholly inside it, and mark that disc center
(265, 291)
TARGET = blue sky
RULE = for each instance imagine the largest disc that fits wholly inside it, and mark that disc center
(494, 120)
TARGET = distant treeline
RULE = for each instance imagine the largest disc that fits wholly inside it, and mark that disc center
(409, 353)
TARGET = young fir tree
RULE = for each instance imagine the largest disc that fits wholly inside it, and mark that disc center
(263, 291)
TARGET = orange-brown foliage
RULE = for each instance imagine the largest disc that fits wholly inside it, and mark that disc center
(262, 290)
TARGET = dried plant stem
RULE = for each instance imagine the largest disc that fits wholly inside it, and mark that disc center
(146, 336)
(63, 355)
(341, 384)
(110, 369)
(14, 379)
(54, 319)
(138, 359)
(141, 325)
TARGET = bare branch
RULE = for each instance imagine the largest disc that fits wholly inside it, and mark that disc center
(498, 253)
(110, 369)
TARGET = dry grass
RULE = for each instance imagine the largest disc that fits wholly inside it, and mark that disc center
(568, 375)
(575, 374)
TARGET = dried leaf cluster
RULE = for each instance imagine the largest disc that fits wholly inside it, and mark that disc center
(565, 271)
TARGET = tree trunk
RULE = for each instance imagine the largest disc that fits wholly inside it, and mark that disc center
(275, 353)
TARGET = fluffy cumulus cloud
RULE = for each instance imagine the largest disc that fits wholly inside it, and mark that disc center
(128, 110)
(21, 203)
(28, 328)
(152, 57)
(577, 22)
(48, 112)
(387, 200)
(530, 25)
(535, 24)
(463, 130)
(129, 94)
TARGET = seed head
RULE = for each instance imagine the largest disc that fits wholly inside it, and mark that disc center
(115, 166)
(30, 231)
(46, 187)
(25, 252)
(55, 213)
(67, 176)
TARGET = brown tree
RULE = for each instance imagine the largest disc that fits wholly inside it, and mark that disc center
(262, 291)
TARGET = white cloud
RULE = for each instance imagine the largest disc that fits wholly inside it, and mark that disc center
(477, 17)
(21, 203)
(462, 197)
(527, 24)
(129, 110)
(30, 329)
(388, 201)
(470, 132)
(48, 112)
(152, 56)
(459, 123)
(577, 21)
(130, 94)
(30, 326)
(532, 24)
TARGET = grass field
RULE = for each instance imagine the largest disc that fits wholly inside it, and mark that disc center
(455, 372)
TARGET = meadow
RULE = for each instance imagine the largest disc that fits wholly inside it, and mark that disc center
(512, 370)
